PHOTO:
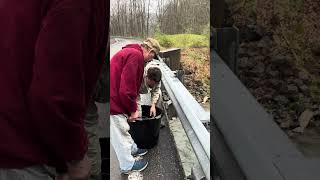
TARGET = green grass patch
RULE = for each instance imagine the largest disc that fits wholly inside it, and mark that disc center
(182, 40)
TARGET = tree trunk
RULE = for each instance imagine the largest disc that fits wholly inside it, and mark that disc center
(148, 16)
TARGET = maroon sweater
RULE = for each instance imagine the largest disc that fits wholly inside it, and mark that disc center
(51, 53)
(126, 72)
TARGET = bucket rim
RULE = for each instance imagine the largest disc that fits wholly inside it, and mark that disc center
(149, 118)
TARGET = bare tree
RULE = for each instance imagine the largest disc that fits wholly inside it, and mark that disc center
(148, 16)
(133, 17)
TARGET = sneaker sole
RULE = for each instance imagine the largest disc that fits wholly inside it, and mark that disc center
(141, 154)
(139, 170)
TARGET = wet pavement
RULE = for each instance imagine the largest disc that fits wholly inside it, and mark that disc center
(163, 161)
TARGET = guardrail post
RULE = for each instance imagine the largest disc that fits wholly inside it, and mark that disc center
(172, 58)
(167, 105)
(225, 42)
(180, 75)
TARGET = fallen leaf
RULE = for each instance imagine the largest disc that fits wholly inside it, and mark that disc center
(205, 99)
(298, 130)
(305, 118)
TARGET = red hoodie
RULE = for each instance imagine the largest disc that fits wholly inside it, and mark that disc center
(51, 53)
(126, 72)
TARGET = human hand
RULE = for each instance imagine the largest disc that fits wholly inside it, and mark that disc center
(133, 116)
(79, 170)
(153, 111)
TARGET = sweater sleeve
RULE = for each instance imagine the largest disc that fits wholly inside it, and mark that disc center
(128, 83)
(155, 93)
(56, 97)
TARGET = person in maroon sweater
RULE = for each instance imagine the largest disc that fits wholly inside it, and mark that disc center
(126, 75)
(51, 54)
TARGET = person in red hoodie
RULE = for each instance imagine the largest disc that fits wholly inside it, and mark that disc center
(51, 55)
(126, 75)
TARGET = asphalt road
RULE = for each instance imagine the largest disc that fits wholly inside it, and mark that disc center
(163, 161)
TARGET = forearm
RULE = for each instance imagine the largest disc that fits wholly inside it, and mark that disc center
(155, 95)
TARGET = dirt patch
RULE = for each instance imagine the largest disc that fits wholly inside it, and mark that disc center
(195, 62)
(286, 88)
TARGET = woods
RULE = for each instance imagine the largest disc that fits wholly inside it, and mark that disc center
(130, 18)
(279, 63)
(142, 18)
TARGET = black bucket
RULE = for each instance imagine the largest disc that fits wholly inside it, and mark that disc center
(145, 131)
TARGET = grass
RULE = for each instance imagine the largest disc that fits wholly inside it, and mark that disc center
(183, 40)
(194, 54)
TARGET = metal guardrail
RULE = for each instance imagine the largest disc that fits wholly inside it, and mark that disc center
(191, 115)
(225, 41)
(260, 148)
